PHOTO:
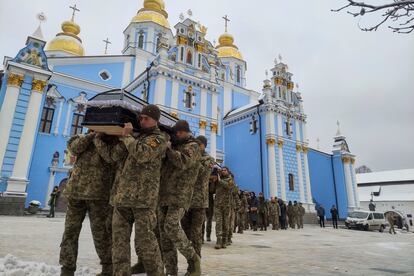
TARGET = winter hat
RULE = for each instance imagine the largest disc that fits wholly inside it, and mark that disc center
(152, 111)
(202, 139)
(181, 125)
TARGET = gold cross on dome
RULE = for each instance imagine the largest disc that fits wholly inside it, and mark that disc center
(75, 9)
(226, 20)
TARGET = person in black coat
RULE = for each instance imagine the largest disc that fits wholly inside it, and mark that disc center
(334, 214)
(282, 215)
(253, 208)
(52, 201)
(321, 215)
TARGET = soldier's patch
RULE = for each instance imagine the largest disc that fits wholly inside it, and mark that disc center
(153, 143)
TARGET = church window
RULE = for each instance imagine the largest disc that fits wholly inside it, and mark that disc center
(182, 53)
(238, 74)
(291, 182)
(253, 126)
(46, 119)
(77, 121)
(199, 60)
(189, 59)
(157, 44)
(188, 97)
(141, 40)
(105, 75)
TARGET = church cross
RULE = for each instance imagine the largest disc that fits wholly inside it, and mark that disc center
(226, 20)
(75, 9)
(106, 44)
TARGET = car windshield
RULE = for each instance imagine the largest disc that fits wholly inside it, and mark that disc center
(359, 215)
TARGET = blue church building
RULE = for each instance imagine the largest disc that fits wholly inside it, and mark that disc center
(260, 135)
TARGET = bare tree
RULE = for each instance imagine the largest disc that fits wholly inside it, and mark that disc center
(398, 14)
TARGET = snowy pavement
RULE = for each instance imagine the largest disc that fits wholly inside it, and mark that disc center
(30, 246)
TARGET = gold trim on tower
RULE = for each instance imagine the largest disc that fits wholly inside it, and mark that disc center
(15, 80)
(202, 124)
(38, 85)
(174, 114)
(213, 127)
(181, 40)
(298, 147)
(280, 142)
(346, 159)
(270, 141)
(305, 149)
(352, 161)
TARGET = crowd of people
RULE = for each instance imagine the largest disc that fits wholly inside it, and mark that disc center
(165, 188)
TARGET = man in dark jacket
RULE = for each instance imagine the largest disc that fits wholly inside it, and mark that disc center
(179, 174)
(283, 210)
(334, 215)
(321, 215)
(253, 210)
(263, 212)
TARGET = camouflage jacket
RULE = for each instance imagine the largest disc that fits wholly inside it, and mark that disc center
(200, 195)
(262, 208)
(274, 209)
(302, 211)
(179, 174)
(244, 205)
(296, 210)
(115, 155)
(289, 210)
(138, 183)
(223, 192)
(236, 198)
(89, 179)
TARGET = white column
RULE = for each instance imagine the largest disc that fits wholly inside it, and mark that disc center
(56, 131)
(160, 86)
(68, 115)
(126, 73)
(348, 183)
(281, 163)
(25, 149)
(308, 184)
(271, 154)
(8, 108)
(299, 162)
(357, 202)
(213, 137)
(140, 65)
(50, 186)
(174, 94)
(203, 110)
(227, 98)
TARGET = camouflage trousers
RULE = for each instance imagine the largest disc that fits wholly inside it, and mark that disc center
(192, 224)
(262, 221)
(274, 220)
(209, 220)
(241, 220)
(291, 221)
(222, 221)
(232, 219)
(299, 221)
(148, 249)
(98, 213)
(173, 237)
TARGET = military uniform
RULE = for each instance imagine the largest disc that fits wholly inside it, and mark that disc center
(262, 212)
(135, 201)
(302, 212)
(290, 212)
(177, 187)
(296, 214)
(242, 213)
(274, 212)
(87, 191)
(210, 210)
(193, 220)
(234, 205)
(222, 209)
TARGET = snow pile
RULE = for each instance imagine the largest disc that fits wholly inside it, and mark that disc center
(11, 266)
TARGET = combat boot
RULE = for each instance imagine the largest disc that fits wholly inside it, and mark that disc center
(219, 242)
(223, 243)
(138, 268)
(229, 242)
(194, 266)
(65, 271)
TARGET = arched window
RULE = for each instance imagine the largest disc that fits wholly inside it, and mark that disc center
(188, 97)
(157, 44)
(291, 182)
(189, 59)
(141, 40)
(238, 74)
(199, 60)
(182, 53)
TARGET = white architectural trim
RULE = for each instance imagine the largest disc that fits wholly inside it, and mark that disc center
(227, 90)
(68, 113)
(174, 94)
(349, 188)
(282, 175)
(308, 184)
(355, 185)
(56, 131)
(126, 73)
(160, 87)
(300, 176)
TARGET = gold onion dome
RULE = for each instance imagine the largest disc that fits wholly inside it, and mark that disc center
(153, 11)
(68, 40)
(226, 47)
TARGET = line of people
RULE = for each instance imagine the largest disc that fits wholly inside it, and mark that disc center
(147, 180)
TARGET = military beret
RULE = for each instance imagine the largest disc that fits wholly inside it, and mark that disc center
(152, 111)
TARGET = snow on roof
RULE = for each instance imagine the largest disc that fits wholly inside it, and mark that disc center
(398, 192)
(241, 109)
(386, 176)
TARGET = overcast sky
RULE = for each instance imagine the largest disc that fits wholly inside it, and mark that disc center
(364, 80)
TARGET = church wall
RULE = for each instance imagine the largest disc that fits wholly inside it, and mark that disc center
(168, 92)
(340, 185)
(291, 167)
(243, 160)
(239, 99)
(209, 104)
(91, 72)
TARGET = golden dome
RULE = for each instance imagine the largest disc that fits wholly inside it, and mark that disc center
(226, 48)
(153, 11)
(68, 40)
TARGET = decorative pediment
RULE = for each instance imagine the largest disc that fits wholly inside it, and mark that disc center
(80, 102)
(33, 54)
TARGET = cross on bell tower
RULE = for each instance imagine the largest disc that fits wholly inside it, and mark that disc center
(106, 44)
(226, 20)
(75, 9)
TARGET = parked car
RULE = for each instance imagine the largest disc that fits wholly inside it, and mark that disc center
(366, 220)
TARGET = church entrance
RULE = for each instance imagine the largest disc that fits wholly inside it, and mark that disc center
(62, 202)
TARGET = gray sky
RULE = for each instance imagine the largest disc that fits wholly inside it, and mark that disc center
(364, 80)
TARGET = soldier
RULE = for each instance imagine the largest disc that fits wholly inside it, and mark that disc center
(136, 196)
(242, 212)
(391, 221)
(234, 204)
(262, 211)
(296, 214)
(290, 212)
(87, 191)
(222, 208)
(302, 212)
(210, 211)
(283, 211)
(274, 213)
(177, 187)
(193, 220)
(253, 208)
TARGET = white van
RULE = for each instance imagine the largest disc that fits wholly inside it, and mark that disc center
(366, 220)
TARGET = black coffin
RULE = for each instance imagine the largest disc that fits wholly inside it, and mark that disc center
(107, 112)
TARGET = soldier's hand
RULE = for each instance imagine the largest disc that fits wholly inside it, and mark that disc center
(127, 130)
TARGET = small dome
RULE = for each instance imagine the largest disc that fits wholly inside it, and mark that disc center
(226, 47)
(153, 11)
(67, 41)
